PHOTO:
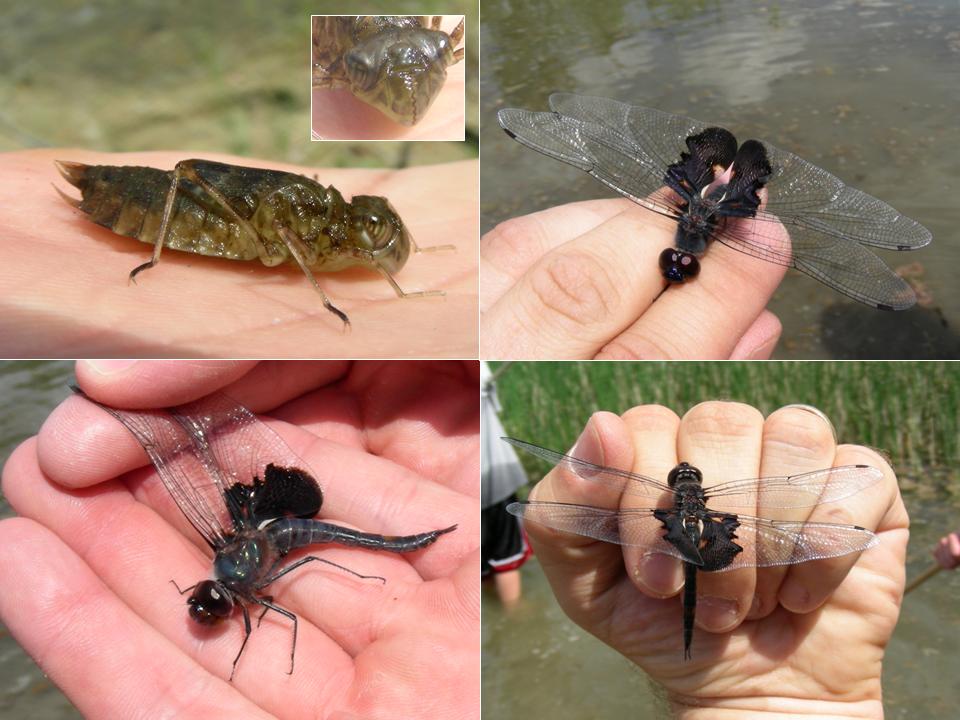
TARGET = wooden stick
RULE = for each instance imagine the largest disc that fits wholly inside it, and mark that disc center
(922, 577)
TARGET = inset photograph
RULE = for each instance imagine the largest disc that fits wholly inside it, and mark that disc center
(387, 77)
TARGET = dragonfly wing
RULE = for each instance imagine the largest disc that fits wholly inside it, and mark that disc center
(636, 527)
(794, 491)
(620, 480)
(626, 147)
(182, 470)
(839, 262)
(767, 543)
(237, 448)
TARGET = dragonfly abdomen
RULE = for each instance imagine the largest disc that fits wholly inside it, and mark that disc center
(292, 533)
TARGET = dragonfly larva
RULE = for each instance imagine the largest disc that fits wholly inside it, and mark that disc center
(243, 213)
(395, 63)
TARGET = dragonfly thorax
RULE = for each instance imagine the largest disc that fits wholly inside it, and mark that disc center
(241, 560)
(684, 474)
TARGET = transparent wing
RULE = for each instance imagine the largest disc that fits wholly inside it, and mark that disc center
(838, 261)
(619, 480)
(202, 448)
(767, 543)
(794, 491)
(635, 527)
(626, 147)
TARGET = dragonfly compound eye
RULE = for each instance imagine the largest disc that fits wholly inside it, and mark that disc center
(209, 603)
(379, 231)
(677, 265)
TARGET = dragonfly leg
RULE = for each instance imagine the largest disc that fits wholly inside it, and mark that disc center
(267, 603)
(311, 558)
(164, 224)
(299, 252)
(403, 294)
(268, 598)
(185, 590)
(246, 636)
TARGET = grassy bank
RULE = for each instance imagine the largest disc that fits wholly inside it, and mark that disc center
(908, 409)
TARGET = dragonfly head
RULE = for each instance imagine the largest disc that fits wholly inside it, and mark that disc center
(400, 74)
(209, 603)
(684, 472)
(379, 233)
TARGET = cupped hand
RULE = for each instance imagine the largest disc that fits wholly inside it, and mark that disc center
(804, 639)
(395, 447)
(64, 289)
(582, 281)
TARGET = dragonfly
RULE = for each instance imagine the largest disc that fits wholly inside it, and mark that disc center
(251, 499)
(679, 522)
(738, 194)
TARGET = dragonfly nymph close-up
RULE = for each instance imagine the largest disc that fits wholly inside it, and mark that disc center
(395, 63)
(242, 213)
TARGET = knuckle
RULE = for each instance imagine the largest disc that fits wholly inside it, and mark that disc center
(574, 286)
(729, 419)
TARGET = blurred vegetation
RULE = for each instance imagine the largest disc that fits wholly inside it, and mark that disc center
(906, 409)
(216, 76)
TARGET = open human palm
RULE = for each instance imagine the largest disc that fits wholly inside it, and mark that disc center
(100, 539)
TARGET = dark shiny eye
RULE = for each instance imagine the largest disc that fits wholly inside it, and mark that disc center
(376, 226)
(209, 603)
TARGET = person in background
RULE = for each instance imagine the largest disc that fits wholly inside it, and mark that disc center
(503, 545)
(947, 551)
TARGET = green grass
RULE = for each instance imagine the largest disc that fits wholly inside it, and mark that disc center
(907, 409)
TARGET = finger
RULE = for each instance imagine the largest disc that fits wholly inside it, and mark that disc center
(723, 440)
(57, 615)
(514, 246)
(879, 508)
(259, 385)
(581, 294)
(653, 429)
(426, 414)
(796, 439)
(578, 568)
(705, 318)
(760, 339)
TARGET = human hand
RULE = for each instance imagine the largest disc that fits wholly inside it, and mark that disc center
(65, 293)
(947, 551)
(576, 282)
(818, 629)
(396, 448)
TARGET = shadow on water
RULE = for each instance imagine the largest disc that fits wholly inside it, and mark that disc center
(835, 83)
(537, 663)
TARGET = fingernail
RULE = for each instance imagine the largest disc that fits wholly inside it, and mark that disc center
(819, 413)
(588, 447)
(717, 614)
(660, 574)
(110, 367)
